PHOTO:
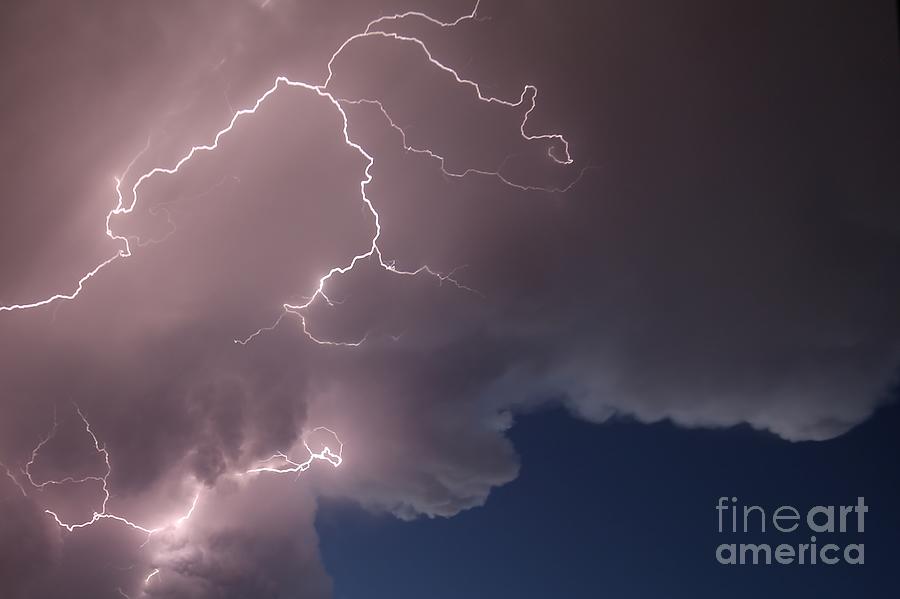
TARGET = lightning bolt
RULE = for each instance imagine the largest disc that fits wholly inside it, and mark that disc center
(147, 579)
(289, 466)
(103, 480)
(558, 152)
(286, 466)
(13, 478)
(326, 454)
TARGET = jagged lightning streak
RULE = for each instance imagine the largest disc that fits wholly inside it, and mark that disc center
(442, 161)
(327, 454)
(147, 579)
(12, 477)
(529, 94)
(289, 466)
(103, 480)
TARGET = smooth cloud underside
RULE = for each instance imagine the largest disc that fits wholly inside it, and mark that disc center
(703, 272)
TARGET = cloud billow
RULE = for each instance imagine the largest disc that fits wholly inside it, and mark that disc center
(702, 272)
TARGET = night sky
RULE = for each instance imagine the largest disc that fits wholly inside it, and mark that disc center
(629, 512)
(415, 299)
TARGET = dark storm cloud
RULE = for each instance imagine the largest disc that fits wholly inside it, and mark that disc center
(28, 545)
(730, 259)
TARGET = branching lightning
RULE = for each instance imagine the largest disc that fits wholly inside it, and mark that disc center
(290, 466)
(164, 208)
(102, 479)
(286, 466)
(558, 152)
(326, 454)
(12, 477)
(280, 463)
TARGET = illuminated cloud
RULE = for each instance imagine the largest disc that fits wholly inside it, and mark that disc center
(633, 293)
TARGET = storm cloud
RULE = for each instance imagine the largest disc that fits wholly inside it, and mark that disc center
(701, 270)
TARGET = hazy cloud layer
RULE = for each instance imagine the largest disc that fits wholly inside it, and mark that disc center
(730, 258)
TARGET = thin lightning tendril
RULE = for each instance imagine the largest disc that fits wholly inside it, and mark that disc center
(326, 454)
(13, 478)
(528, 97)
(287, 466)
(164, 208)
